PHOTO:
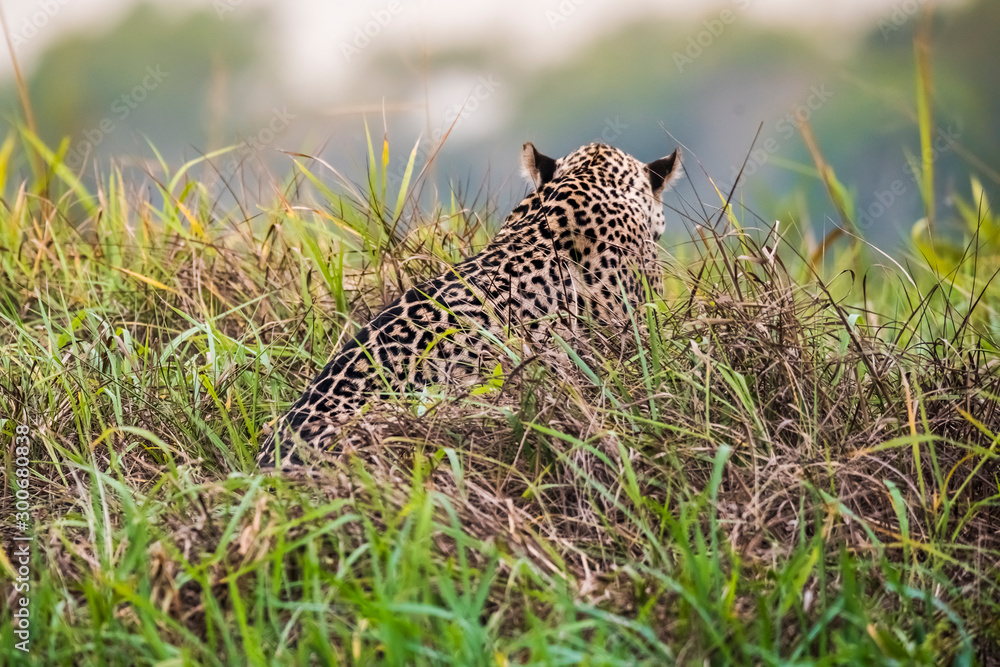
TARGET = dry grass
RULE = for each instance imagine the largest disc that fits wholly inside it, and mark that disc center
(764, 467)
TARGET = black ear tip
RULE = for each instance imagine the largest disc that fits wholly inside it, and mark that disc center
(542, 167)
(660, 171)
(671, 159)
(664, 166)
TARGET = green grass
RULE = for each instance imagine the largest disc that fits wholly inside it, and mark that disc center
(773, 463)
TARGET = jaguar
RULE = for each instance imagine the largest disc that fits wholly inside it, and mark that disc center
(582, 246)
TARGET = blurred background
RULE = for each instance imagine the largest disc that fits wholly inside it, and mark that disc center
(730, 81)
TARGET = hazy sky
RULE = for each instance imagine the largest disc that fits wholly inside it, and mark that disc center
(314, 38)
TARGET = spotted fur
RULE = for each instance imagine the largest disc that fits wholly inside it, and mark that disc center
(579, 245)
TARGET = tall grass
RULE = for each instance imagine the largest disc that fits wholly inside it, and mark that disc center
(770, 465)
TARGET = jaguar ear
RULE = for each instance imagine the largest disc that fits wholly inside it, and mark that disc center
(663, 172)
(537, 167)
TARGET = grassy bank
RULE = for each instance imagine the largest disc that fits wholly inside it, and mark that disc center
(781, 461)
